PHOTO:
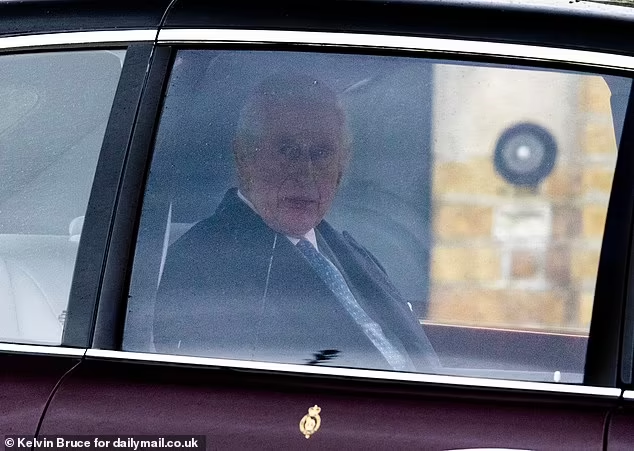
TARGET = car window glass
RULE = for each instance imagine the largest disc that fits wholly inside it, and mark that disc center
(463, 207)
(53, 114)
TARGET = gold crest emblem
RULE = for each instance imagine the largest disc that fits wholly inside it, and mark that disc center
(310, 422)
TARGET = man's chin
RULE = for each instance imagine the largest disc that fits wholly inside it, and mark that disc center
(295, 227)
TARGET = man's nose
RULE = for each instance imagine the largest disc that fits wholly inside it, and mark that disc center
(302, 162)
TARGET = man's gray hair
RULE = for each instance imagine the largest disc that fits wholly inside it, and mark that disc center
(288, 92)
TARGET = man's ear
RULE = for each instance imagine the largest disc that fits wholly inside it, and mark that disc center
(340, 176)
(343, 165)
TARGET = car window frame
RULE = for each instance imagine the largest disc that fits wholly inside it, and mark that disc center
(89, 268)
(600, 371)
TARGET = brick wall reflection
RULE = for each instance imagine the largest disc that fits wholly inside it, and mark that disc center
(490, 265)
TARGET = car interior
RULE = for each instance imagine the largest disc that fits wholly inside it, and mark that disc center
(47, 179)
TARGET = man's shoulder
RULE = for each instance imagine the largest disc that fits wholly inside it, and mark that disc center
(231, 221)
(204, 231)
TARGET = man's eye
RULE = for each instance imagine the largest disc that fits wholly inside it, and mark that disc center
(291, 151)
(320, 153)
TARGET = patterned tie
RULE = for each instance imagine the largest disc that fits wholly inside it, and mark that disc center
(335, 281)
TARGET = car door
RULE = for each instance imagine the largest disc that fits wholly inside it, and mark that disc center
(488, 171)
(621, 424)
(57, 82)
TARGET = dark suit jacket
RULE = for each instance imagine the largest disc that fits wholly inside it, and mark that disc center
(234, 288)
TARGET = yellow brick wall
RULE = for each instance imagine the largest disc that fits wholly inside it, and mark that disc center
(463, 221)
(598, 144)
(472, 176)
(479, 280)
(465, 264)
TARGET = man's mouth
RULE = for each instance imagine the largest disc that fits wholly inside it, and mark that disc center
(299, 203)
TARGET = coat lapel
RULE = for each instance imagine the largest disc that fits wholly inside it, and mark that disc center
(382, 300)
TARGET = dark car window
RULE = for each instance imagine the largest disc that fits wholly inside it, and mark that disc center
(54, 107)
(463, 236)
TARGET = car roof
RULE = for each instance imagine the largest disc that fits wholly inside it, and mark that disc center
(597, 8)
(589, 25)
(49, 16)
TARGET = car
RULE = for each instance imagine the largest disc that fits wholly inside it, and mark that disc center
(487, 184)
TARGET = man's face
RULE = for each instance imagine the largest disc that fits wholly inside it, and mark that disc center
(292, 175)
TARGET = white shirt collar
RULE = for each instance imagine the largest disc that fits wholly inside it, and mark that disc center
(310, 235)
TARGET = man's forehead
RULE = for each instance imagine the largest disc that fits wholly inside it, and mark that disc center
(294, 106)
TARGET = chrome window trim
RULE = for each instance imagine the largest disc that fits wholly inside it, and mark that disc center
(628, 394)
(450, 46)
(42, 350)
(76, 38)
(357, 373)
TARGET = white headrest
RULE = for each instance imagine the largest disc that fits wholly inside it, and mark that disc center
(74, 228)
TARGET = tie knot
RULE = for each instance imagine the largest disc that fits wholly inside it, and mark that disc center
(304, 244)
(309, 251)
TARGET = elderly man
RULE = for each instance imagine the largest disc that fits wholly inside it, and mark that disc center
(265, 277)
